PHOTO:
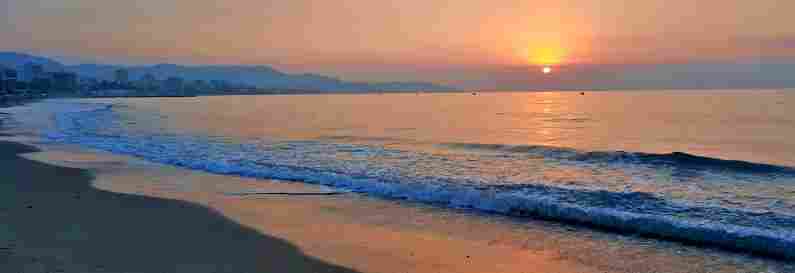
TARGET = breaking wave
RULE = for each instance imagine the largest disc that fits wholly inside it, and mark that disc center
(391, 173)
(675, 159)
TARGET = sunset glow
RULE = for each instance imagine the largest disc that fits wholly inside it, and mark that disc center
(546, 55)
(412, 40)
(413, 124)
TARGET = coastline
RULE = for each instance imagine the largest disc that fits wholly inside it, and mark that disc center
(93, 230)
(151, 215)
(762, 232)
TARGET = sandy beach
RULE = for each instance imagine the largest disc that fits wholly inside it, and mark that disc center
(68, 209)
(414, 136)
(56, 222)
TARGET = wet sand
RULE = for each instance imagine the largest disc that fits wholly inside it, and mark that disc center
(53, 220)
(71, 210)
(68, 209)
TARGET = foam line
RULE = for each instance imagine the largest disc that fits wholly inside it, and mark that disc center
(760, 232)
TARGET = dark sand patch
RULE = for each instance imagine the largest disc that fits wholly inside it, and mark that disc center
(53, 220)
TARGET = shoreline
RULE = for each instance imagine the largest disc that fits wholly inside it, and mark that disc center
(335, 231)
(97, 230)
(101, 231)
(766, 234)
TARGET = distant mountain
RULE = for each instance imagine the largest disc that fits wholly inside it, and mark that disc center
(260, 76)
(18, 60)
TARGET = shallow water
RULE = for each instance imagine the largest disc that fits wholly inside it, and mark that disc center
(723, 159)
(432, 239)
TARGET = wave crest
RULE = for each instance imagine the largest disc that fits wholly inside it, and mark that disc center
(634, 212)
(675, 159)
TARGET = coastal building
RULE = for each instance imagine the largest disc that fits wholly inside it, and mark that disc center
(87, 84)
(148, 77)
(2, 80)
(122, 76)
(148, 83)
(41, 82)
(218, 84)
(8, 80)
(32, 71)
(201, 86)
(64, 81)
(173, 86)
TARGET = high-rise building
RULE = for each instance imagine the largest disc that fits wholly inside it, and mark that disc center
(64, 81)
(32, 71)
(122, 76)
(9, 80)
(41, 82)
(149, 82)
(87, 84)
(2, 80)
(148, 77)
(198, 86)
(173, 86)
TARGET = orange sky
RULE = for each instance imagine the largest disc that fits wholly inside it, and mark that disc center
(364, 39)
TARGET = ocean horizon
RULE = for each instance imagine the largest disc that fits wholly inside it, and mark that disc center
(711, 167)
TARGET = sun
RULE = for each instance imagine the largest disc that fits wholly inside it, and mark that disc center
(546, 70)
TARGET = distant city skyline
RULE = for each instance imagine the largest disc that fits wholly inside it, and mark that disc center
(471, 44)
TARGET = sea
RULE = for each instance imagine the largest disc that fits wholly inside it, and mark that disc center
(715, 167)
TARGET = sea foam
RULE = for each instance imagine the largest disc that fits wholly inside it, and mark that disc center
(379, 173)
